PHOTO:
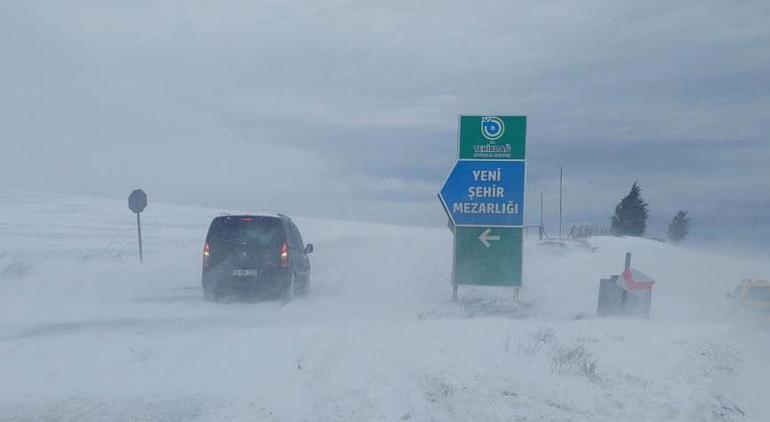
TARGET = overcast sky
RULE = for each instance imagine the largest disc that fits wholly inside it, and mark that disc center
(350, 108)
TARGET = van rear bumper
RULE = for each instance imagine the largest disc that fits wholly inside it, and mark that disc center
(271, 280)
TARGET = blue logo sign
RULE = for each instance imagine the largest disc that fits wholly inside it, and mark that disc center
(485, 193)
(492, 128)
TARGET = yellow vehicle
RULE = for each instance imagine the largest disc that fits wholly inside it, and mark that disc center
(753, 294)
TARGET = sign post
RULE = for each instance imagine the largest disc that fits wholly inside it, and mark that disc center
(137, 202)
(484, 199)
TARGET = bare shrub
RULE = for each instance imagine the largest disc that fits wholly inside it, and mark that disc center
(575, 359)
(633, 379)
(545, 336)
(541, 338)
(14, 268)
(104, 255)
(722, 409)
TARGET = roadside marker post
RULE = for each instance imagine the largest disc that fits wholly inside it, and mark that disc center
(483, 197)
(627, 294)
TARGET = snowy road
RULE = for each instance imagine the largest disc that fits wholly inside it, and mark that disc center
(88, 334)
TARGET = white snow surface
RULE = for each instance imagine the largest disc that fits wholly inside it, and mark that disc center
(89, 334)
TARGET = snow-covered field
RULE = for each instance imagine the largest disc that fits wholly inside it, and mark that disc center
(86, 333)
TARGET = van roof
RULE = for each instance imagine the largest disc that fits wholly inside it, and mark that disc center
(257, 214)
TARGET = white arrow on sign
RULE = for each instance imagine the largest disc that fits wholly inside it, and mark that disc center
(484, 237)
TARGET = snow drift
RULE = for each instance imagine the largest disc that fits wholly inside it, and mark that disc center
(86, 333)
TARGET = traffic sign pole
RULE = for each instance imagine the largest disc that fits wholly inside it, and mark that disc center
(139, 233)
(137, 202)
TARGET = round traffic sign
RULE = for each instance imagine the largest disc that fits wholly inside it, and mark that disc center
(137, 201)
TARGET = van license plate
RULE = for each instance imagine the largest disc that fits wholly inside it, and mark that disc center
(245, 273)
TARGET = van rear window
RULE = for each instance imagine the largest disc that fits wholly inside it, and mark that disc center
(758, 293)
(262, 231)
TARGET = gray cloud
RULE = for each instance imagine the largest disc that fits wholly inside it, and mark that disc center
(351, 108)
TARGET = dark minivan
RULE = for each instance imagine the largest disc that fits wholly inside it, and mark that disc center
(255, 254)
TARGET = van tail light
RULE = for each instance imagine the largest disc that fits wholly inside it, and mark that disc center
(285, 255)
(206, 254)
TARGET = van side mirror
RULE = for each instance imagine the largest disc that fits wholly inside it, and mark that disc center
(309, 248)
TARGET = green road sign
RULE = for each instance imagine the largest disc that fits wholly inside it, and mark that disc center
(492, 137)
(487, 249)
(488, 256)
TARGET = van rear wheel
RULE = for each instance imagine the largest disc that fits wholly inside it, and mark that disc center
(208, 291)
(289, 288)
(301, 288)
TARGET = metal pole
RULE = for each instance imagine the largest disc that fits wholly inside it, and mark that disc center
(628, 260)
(139, 232)
(541, 215)
(454, 264)
(561, 188)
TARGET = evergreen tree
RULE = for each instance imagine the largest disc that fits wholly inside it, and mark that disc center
(630, 217)
(679, 227)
